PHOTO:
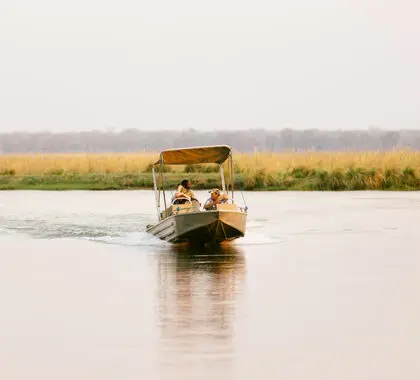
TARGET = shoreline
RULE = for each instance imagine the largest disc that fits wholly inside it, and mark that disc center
(298, 171)
(299, 179)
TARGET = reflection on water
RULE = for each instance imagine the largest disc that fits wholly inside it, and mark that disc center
(336, 299)
(198, 294)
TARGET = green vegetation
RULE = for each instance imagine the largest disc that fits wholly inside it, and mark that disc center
(298, 178)
(336, 180)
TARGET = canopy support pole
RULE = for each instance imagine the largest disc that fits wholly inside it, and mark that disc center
(163, 188)
(232, 178)
(222, 175)
(156, 193)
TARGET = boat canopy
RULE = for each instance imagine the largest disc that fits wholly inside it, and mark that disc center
(216, 154)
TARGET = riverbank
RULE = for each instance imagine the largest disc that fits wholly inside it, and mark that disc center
(397, 170)
(295, 179)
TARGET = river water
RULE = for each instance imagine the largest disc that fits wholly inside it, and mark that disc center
(323, 286)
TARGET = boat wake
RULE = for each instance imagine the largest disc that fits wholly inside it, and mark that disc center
(141, 238)
(127, 232)
(117, 230)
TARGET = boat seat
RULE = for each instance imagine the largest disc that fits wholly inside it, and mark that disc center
(181, 209)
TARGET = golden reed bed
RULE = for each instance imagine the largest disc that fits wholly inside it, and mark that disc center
(39, 164)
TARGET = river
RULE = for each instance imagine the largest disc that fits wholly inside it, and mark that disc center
(323, 286)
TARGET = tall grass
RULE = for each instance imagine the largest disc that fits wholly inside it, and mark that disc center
(38, 164)
(302, 171)
(274, 162)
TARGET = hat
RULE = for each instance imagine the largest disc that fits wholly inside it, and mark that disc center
(215, 191)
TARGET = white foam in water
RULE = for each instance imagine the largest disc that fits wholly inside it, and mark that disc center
(4, 230)
(131, 239)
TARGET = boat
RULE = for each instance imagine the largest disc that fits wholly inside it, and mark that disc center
(189, 222)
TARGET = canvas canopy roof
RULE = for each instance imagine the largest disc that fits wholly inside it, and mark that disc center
(199, 155)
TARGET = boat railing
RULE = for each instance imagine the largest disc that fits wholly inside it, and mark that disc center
(189, 207)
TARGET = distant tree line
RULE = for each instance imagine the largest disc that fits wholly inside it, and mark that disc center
(133, 140)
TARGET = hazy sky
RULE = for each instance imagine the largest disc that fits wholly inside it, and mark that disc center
(91, 64)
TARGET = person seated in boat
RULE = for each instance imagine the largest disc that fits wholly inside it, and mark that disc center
(184, 193)
(215, 198)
